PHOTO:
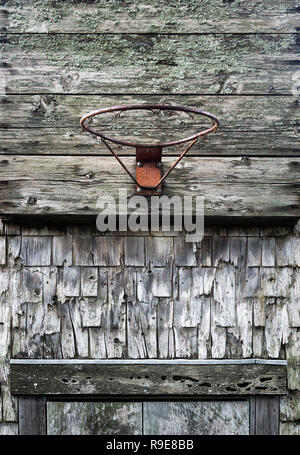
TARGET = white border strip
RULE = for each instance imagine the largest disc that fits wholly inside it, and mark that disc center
(145, 362)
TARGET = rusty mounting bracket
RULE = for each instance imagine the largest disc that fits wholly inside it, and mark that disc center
(148, 170)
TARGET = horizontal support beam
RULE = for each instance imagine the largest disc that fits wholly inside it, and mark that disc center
(146, 362)
(145, 379)
(71, 185)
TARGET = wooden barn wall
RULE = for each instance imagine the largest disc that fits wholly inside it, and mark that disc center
(236, 59)
(72, 293)
(67, 293)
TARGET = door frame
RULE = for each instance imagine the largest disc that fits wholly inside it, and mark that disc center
(37, 381)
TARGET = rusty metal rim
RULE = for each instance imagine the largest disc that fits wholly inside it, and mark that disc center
(150, 107)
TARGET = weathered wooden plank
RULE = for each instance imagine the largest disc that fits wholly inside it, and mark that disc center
(49, 124)
(290, 407)
(97, 250)
(145, 379)
(293, 358)
(254, 252)
(158, 251)
(196, 418)
(220, 250)
(289, 428)
(32, 416)
(277, 326)
(204, 338)
(148, 16)
(141, 329)
(205, 252)
(85, 418)
(232, 184)
(287, 251)
(90, 310)
(36, 250)
(134, 251)
(81, 336)
(2, 250)
(268, 252)
(43, 230)
(60, 63)
(266, 415)
(224, 296)
(8, 429)
(89, 281)
(71, 282)
(113, 321)
(165, 335)
(62, 250)
(184, 253)
(57, 116)
(275, 282)
(227, 142)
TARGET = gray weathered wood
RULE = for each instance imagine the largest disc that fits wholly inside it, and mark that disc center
(196, 418)
(8, 429)
(32, 416)
(36, 250)
(289, 428)
(148, 16)
(290, 407)
(232, 185)
(49, 124)
(148, 379)
(254, 252)
(62, 250)
(109, 63)
(264, 415)
(134, 251)
(85, 418)
(158, 251)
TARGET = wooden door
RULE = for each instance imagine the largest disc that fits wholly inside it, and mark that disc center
(148, 417)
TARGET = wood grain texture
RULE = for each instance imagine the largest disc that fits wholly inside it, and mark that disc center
(233, 185)
(89, 379)
(264, 415)
(8, 429)
(154, 63)
(148, 16)
(49, 124)
(88, 418)
(32, 416)
(196, 418)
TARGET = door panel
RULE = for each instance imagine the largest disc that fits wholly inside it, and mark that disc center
(196, 418)
(152, 418)
(94, 418)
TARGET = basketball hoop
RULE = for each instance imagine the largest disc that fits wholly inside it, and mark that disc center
(149, 177)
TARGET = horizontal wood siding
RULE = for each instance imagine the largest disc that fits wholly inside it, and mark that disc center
(250, 125)
(106, 16)
(157, 64)
(236, 61)
(253, 187)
